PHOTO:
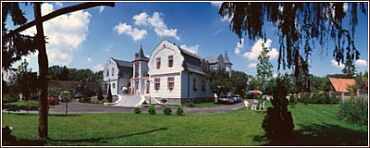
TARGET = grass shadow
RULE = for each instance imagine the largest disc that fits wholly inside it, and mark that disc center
(321, 134)
(103, 139)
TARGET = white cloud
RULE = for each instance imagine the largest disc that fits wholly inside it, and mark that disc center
(193, 49)
(135, 33)
(256, 50)
(141, 19)
(216, 4)
(64, 34)
(157, 22)
(252, 65)
(361, 63)
(239, 46)
(336, 64)
(345, 7)
(101, 9)
(98, 67)
(89, 59)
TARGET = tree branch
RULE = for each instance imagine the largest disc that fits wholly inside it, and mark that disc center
(55, 14)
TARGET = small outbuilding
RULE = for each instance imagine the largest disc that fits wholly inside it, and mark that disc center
(341, 86)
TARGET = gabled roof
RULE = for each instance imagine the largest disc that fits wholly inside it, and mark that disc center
(226, 59)
(342, 84)
(212, 60)
(140, 55)
(122, 63)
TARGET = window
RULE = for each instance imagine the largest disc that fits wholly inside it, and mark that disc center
(158, 63)
(147, 86)
(195, 84)
(113, 85)
(170, 83)
(170, 61)
(157, 83)
(203, 85)
(112, 71)
(107, 72)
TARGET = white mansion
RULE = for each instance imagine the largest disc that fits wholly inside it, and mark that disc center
(170, 75)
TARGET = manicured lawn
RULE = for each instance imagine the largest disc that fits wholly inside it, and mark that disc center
(242, 127)
(205, 104)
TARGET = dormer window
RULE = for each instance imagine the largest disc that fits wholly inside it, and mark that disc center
(158, 61)
(170, 61)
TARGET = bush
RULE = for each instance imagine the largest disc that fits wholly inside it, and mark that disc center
(354, 110)
(318, 98)
(278, 122)
(180, 111)
(137, 110)
(151, 110)
(167, 111)
(9, 98)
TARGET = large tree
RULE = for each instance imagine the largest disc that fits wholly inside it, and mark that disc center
(300, 26)
(16, 45)
(264, 68)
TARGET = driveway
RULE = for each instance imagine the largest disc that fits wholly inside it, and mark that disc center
(77, 108)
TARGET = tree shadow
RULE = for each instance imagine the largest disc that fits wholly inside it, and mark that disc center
(320, 134)
(103, 139)
(13, 141)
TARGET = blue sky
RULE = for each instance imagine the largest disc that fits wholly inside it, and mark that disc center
(88, 38)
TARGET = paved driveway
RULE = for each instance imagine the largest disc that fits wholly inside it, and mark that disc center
(76, 108)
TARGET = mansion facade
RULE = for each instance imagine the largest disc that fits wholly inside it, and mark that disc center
(171, 74)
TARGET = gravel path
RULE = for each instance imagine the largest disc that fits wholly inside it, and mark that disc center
(78, 108)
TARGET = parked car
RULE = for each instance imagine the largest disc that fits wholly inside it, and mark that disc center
(53, 100)
(226, 100)
(236, 99)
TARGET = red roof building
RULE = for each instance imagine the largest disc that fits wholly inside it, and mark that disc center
(342, 85)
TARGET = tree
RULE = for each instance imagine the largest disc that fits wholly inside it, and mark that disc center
(300, 26)
(349, 68)
(26, 81)
(239, 82)
(264, 68)
(278, 122)
(16, 45)
(109, 95)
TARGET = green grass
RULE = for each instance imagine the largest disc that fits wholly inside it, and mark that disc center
(26, 103)
(239, 127)
(205, 104)
(22, 105)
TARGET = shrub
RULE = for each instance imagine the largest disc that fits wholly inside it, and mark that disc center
(180, 111)
(354, 110)
(318, 98)
(151, 110)
(167, 111)
(278, 122)
(137, 110)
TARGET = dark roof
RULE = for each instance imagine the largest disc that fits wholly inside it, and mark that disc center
(122, 63)
(212, 60)
(226, 59)
(140, 55)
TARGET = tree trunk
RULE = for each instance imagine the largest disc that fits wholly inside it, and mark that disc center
(43, 72)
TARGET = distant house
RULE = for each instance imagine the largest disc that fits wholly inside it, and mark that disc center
(117, 74)
(220, 63)
(341, 86)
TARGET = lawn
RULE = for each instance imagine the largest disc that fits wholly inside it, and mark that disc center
(315, 124)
